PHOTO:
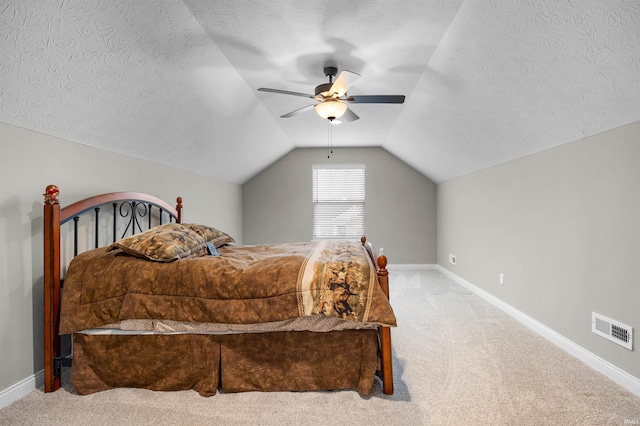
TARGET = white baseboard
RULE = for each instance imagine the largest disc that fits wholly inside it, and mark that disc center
(407, 266)
(621, 377)
(21, 389)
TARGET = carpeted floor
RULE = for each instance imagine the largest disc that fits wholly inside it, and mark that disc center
(457, 361)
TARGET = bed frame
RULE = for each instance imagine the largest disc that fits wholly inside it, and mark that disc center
(133, 208)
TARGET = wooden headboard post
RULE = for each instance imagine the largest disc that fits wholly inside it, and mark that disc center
(51, 286)
(179, 209)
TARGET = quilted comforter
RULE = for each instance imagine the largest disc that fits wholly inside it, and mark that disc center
(244, 285)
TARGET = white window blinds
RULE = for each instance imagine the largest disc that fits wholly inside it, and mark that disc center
(338, 201)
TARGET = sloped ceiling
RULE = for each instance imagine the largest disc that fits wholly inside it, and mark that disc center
(176, 82)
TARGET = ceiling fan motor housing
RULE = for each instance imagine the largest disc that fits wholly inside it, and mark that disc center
(322, 90)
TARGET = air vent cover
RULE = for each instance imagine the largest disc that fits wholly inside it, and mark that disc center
(612, 330)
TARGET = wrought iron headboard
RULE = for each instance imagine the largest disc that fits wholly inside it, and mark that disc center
(135, 206)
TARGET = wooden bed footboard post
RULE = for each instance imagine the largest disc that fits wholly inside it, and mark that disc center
(380, 262)
(51, 231)
(385, 332)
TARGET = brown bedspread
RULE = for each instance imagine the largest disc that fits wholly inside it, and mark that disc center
(245, 285)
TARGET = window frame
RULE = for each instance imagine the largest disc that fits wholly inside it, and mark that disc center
(339, 202)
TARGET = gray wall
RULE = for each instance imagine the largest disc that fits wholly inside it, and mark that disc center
(400, 202)
(29, 161)
(563, 226)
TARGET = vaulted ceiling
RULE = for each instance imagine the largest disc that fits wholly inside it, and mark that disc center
(176, 82)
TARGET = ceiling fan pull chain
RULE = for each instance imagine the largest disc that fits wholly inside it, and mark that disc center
(330, 147)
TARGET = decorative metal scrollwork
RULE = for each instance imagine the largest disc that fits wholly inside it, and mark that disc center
(134, 211)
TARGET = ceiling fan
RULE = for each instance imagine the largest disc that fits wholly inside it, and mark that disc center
(332, 97)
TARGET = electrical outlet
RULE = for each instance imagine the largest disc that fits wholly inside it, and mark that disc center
(501, 279)
(452, 259)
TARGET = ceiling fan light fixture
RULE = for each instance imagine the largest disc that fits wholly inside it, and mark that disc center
(331, 109)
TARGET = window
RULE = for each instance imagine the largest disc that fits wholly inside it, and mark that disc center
(338, 201)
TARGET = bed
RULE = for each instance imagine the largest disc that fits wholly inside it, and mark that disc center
(152, 302)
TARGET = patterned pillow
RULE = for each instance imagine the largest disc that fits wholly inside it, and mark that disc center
(211, 235)
(164, 243)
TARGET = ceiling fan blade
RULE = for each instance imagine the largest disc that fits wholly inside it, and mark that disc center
(376, 99)
(343, 82)
(285, 92)
(349, 116)
(298, 111)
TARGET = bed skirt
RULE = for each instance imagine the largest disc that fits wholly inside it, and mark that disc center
(206, 363)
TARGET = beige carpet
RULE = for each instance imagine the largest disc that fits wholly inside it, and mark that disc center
(458, 361)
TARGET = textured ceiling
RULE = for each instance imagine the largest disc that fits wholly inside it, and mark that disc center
(176, 82)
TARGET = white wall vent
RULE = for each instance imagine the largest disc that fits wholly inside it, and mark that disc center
(613, 330)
